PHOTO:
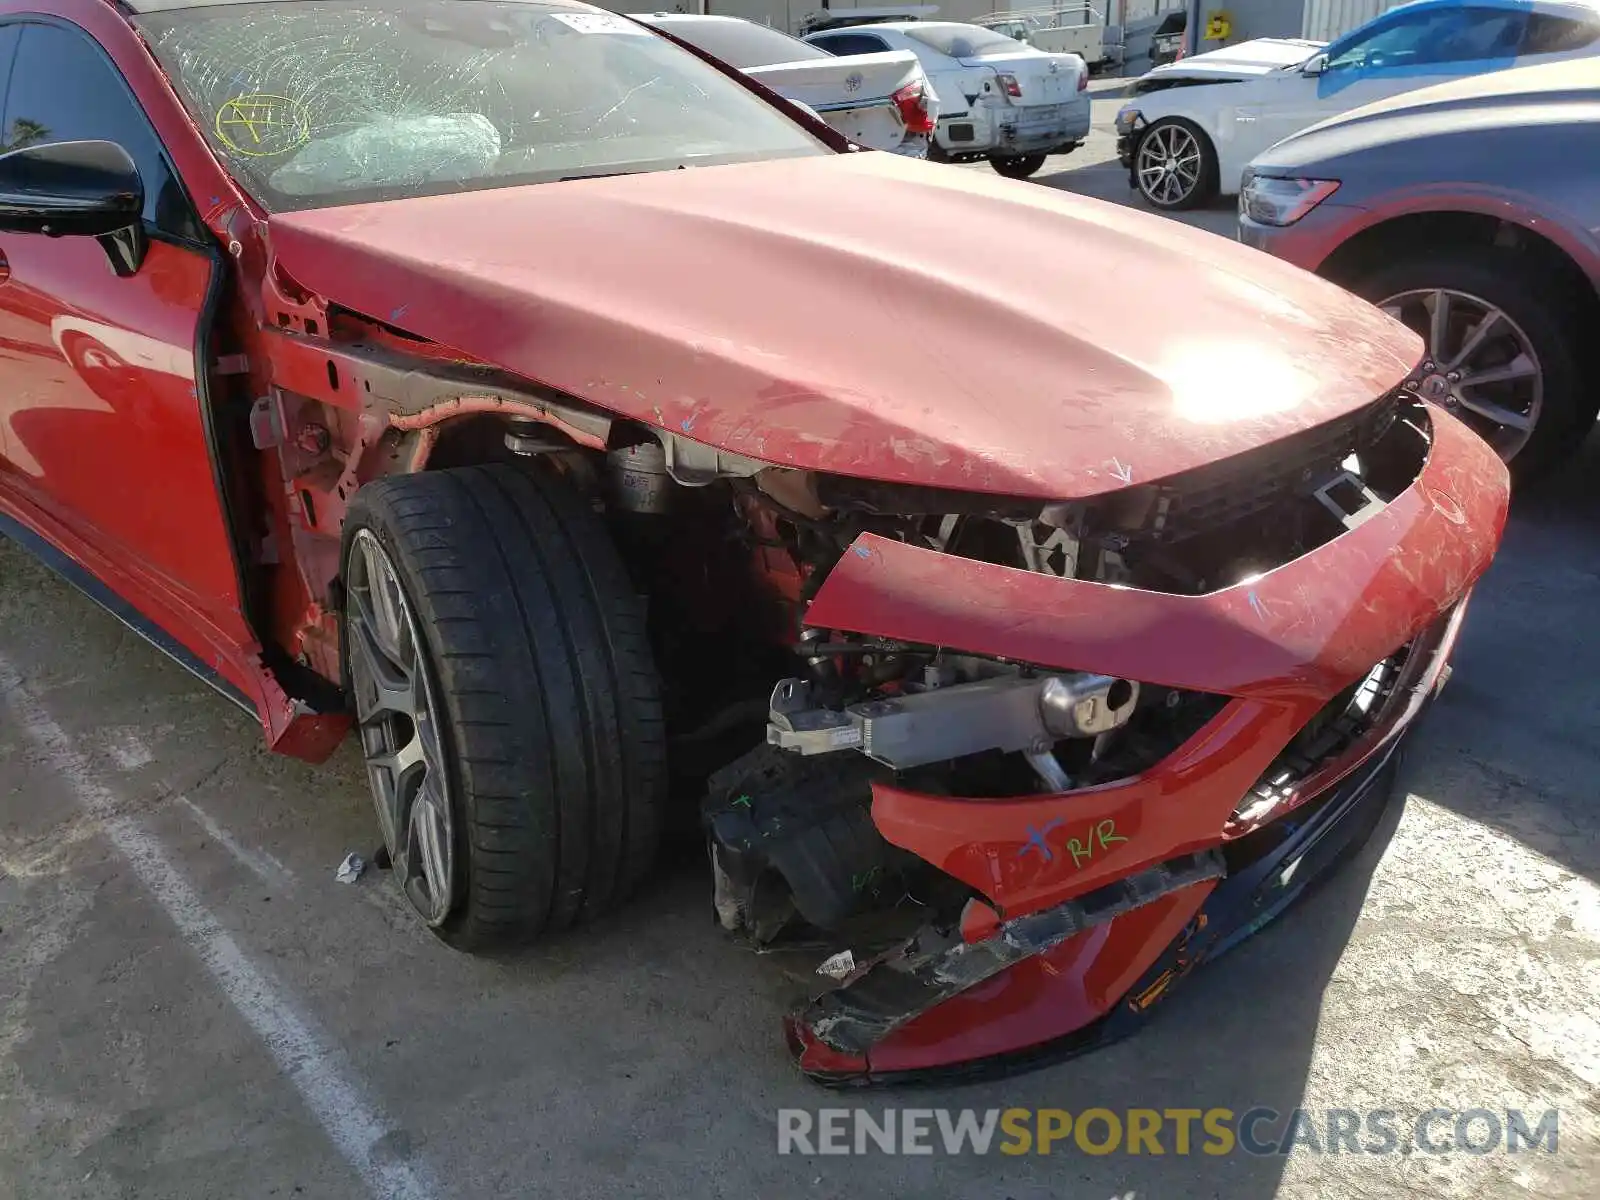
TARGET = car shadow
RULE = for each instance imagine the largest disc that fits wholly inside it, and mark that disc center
(1108, 181)
(1516, 736)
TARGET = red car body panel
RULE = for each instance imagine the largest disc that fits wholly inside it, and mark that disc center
(133, 479)
(107, 388)
(1299, 632)
(136, 503)
(1066, 988)
(690, 301)
(1284, 643)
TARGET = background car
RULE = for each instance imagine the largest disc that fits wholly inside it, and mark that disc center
(865, 14)
(1067, 28)
(1464, 210)
(1191, 127)
(1166, 44)
(999, 100)
(882, 101)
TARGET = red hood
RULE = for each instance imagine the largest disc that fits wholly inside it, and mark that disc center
(868, 315)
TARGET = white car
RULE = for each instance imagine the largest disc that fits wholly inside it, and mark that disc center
(1068, 28)
(881, 101)
(1191, 127)
(998, 99)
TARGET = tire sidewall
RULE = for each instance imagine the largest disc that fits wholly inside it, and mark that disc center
(1027, 165)
(367, 511)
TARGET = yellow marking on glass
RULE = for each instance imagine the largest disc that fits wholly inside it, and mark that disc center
(260, 125)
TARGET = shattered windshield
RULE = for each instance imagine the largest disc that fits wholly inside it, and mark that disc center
(325, 102)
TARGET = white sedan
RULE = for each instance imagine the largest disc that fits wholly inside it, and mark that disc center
(999, 99)
(1190, 127)
(881, 101)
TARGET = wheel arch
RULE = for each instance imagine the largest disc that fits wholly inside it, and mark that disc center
(350, 404)
(1545, 271)
(1427, 229)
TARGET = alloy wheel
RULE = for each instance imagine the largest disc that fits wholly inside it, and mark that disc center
(1481, 366)
(400, 728)
(1169, 165)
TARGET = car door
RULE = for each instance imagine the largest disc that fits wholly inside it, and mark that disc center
(1385, 57)
(104, 443)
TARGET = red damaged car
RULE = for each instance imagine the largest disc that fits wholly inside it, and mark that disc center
(585, 427)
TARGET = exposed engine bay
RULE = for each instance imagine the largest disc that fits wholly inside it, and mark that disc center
(794, 849)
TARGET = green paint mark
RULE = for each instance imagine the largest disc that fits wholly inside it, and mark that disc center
(1099, 837)
(741, 801)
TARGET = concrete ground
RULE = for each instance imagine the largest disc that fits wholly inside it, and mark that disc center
(192, 1007)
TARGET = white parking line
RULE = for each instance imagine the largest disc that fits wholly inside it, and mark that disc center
(317, 1070)
(266, 868)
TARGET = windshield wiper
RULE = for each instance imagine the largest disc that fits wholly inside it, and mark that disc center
(615, 174)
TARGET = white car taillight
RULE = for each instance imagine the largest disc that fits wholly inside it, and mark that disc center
(912, 102)
(1009, 85)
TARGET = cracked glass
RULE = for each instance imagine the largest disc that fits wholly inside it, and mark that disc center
(325, 102)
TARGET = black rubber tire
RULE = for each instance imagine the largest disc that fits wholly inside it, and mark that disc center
(1521, 289)
(1021, 166)
(554, 733)
(1205, 191)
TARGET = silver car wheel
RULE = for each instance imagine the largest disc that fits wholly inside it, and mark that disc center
(1169, 165)
(399, 725)
(1481, 365)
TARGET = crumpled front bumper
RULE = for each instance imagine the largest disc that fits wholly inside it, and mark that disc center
(1279, 646)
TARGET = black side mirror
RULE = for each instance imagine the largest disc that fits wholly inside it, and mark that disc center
(76, 189)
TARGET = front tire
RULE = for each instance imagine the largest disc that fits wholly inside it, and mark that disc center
(1021, 166)
(506, 700)
(1499, 322)
(1175, 166)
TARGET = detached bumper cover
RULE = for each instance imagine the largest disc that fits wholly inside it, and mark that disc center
(1280, 646)
(1099, 984)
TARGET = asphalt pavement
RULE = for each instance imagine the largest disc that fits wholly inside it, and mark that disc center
(191, 1006)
